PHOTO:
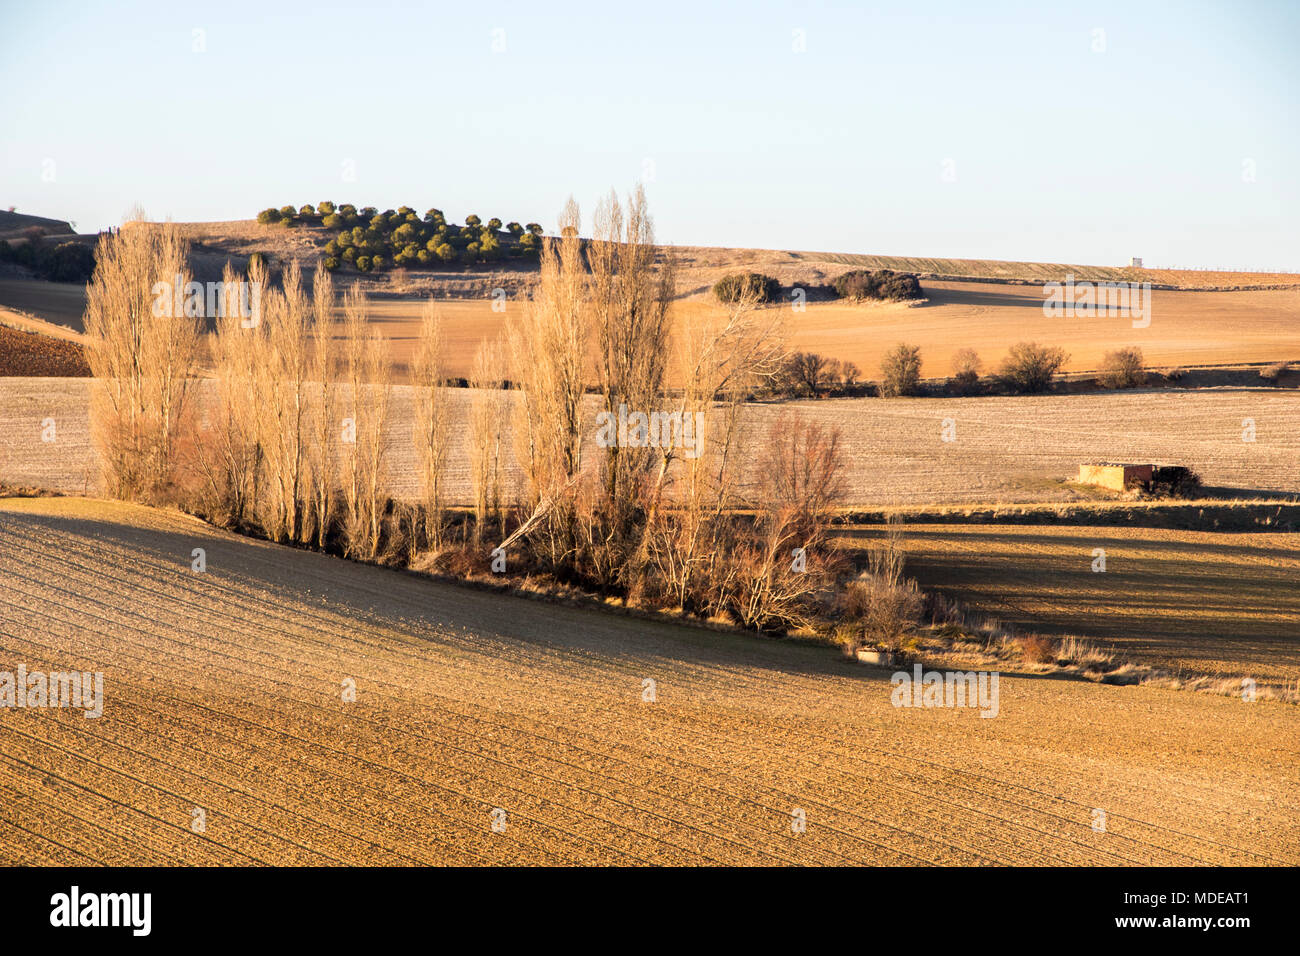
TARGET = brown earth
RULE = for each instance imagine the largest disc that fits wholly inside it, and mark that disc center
(1224, 604)
(223, 692)
(27, 353)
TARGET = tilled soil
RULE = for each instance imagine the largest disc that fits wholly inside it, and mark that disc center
(224, 692)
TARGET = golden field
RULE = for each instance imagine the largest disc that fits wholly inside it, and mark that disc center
(223, 693)
(1007, 449)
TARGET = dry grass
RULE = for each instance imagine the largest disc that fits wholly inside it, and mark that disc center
(223, 691)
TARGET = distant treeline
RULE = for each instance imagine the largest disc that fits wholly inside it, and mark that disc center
(369, 240)
(62, 262)
(880, 284)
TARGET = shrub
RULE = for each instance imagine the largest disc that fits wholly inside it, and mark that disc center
(731, 287)
(1123, 368)
(1272, 373)
(1030, 367)
(330, 263)
(378, 262)
(900, 371)
(350, 254)
(1037, 649)
(1176, 374)
(307, 210)
(494, 224)
(514, 229)
(881, 606)
(269, 216)
(332, 221)
(807, 373)
(535, 229)
(445, 252)
(1173, 481)
(473, 220)
(363, 263)
(287, 212)
(966, 366)
(880, 284)
(325, 208)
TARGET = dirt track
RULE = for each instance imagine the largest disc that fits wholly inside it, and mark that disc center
(223, 692)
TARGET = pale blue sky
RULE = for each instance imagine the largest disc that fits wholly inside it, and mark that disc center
(1058, 152)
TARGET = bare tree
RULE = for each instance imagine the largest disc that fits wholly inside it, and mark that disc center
(550, 344)
(142, 328)
(230, 455)
(324, 371)
(369, 375)
(431, 426)
(487, 420)
(286, 366)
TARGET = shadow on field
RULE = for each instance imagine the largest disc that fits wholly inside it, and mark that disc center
(243, 573)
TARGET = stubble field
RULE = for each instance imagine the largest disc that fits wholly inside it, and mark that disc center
(1004, 449)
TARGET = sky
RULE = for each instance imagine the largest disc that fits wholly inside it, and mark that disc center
(1063, 132)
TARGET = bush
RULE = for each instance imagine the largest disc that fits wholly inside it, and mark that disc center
(1030, 367)
(731, 287)
(966, 366)
(1173, 481)
(900, 371)
(1273, 373)
(1037, 649)
(287, 212)
(1123, 368)
(325, 208)
(445, 252)
(331, 263)
(269, 217)
(332, 221)
(363, 263)
(880, 284)
(880, 607)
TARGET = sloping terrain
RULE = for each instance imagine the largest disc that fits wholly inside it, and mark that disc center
(1217, 603)
(223, 693)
